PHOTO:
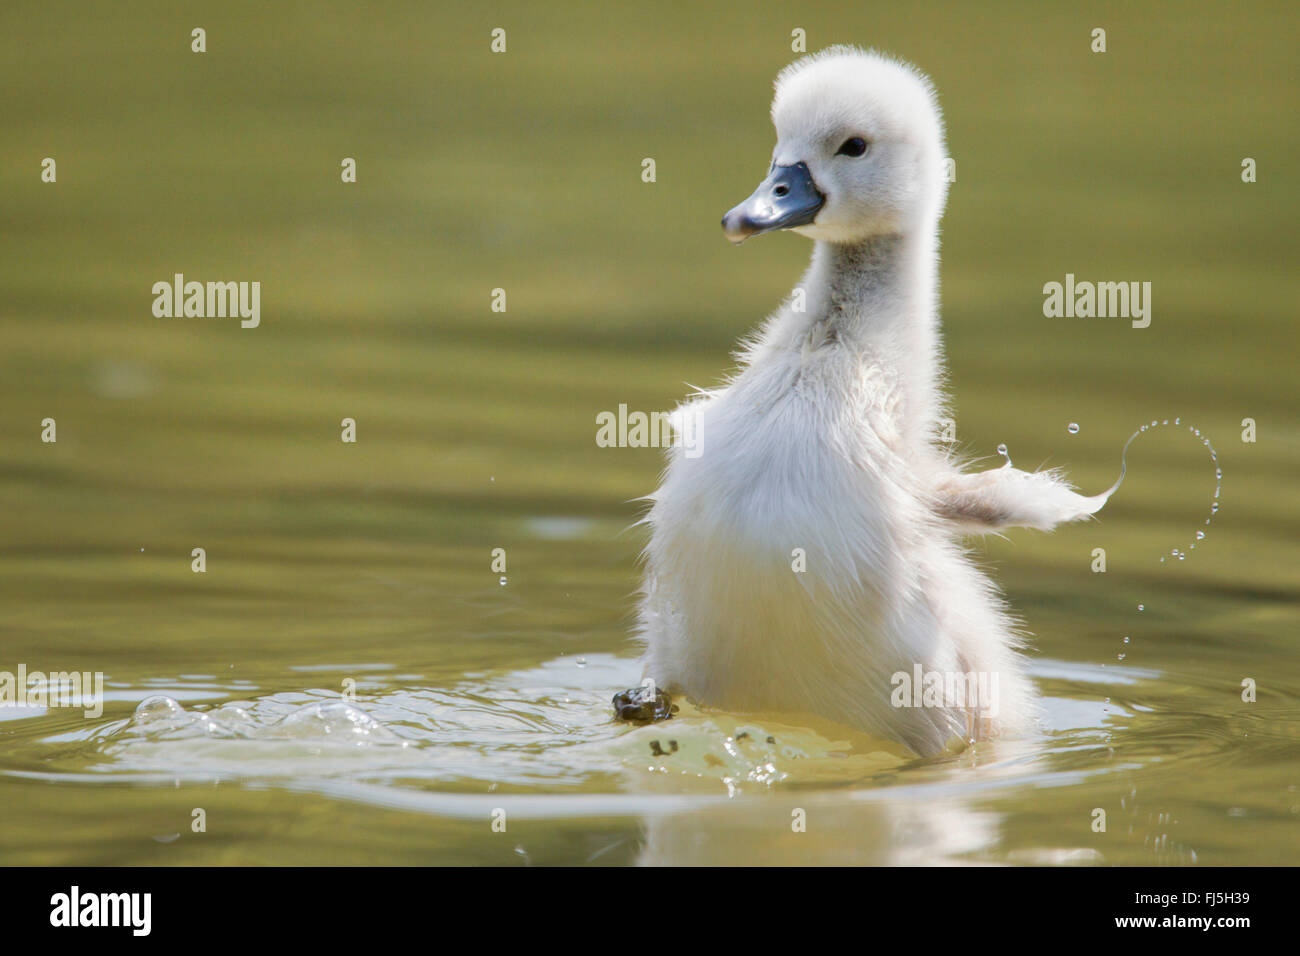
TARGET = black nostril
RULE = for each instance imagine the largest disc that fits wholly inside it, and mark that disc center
(781, 190)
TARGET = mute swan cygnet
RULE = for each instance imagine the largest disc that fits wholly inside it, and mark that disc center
(820, 451)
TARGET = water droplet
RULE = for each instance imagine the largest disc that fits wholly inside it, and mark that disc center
(1142, 607)
(1120, 657)
(1126, 640)
(1199, 536)
(1181, 556)
(582, 662)
(1072, 428)
(1165, 422)
(503, 580)
(1002, 449)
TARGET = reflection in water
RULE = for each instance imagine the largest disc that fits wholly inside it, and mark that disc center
(839, 832)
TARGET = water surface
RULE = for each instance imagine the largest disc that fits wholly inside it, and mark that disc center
(363, 571)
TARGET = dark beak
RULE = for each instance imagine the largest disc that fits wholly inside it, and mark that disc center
(787, 198)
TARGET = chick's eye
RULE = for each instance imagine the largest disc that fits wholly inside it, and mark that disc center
(856, 146)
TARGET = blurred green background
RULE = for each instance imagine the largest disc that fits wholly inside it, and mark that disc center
(522, 171)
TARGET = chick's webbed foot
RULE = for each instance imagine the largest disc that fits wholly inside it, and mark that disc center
(646, 704)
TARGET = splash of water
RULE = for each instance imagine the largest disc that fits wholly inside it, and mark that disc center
(1099, 500)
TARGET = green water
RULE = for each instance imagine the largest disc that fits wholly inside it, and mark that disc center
(371, 562)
